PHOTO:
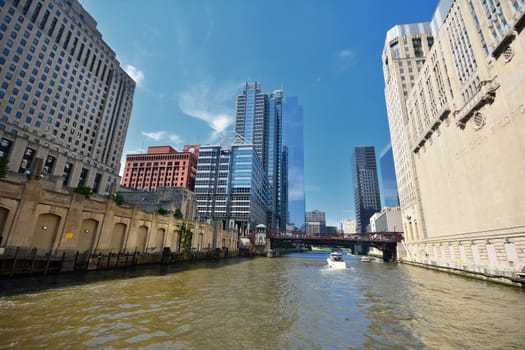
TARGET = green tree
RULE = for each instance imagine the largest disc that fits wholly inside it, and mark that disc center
(3, 167)
(178, 214)
(185, 237)
(162, 211)
(119, 199)
(85, 190)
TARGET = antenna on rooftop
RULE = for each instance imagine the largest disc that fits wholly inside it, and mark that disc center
(239, 139)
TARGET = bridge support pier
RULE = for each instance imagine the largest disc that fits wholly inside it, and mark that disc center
(390, 253)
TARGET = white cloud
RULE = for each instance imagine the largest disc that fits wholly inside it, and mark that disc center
(344, 59)
(135, 74)
(175, 138)
(154, 135)
(211, 105)
(346, 53)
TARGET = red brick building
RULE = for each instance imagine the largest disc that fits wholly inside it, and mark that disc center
(162, 166)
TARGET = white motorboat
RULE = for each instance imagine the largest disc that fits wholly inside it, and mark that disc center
(365, 259)
(335, 261)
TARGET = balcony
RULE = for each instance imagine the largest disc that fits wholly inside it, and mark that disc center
(485, 95)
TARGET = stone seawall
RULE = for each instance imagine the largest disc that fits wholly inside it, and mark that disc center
(42, 223)
(512, 281)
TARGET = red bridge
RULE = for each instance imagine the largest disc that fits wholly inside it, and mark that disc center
(385, 241)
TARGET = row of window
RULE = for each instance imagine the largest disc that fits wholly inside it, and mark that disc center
(25, 96)
(47, 166)
(41, 87)
(42, 18)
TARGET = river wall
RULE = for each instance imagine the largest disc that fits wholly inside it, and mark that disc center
(494, 256)
(45, 227)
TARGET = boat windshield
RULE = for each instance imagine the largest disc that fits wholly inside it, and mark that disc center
(336, 256)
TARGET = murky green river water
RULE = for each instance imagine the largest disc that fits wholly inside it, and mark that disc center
(291, 302)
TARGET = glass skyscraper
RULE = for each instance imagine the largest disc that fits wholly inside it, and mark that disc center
(293, 139)
(258, 121)
(231, 187)
(366, 186)
(388, 178)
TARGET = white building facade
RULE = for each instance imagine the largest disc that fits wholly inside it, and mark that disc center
(388, 220)
(348, 226)
(463, 121)
(405, 50)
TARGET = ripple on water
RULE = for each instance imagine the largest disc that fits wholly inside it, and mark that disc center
(289, 303)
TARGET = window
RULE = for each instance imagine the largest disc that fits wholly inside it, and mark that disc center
(418, 48)
(36, 12)
(430, 41)
(25, 9)
(59, 34)
(43, 22)
(52, 27)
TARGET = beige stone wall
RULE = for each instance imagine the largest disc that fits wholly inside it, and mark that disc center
(35, 216)
(470, 147)
(496, 254)
(401, 67)
(471, 169)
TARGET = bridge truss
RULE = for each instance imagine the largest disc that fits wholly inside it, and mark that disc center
(384, 241)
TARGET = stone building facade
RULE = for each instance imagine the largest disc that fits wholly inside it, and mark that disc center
(465, 121)
(166, 198)
(65, 101)
(40, 215)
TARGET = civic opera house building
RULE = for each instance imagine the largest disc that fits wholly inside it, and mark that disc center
(455, 92)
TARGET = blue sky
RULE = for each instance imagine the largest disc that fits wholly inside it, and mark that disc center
(191, 57)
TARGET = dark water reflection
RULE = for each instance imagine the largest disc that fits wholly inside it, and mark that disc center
(291, 302)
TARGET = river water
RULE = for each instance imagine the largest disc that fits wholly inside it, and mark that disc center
(290, 302)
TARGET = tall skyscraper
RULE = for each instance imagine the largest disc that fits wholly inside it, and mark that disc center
(65, 100)
(406, 48)
(461, 121)
(388, 179)
(293, 139)
(285, 214)
(258, 121)
(366, 186)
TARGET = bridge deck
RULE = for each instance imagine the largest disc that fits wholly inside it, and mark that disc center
(365, 238)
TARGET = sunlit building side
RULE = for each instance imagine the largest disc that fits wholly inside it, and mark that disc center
(348, 226)
(463, 123)
(231, 187)
(161, 166)
(258, 121)
(293, 139)
(65, 100)
(388, 179)
(406, 48)
(285, 214)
